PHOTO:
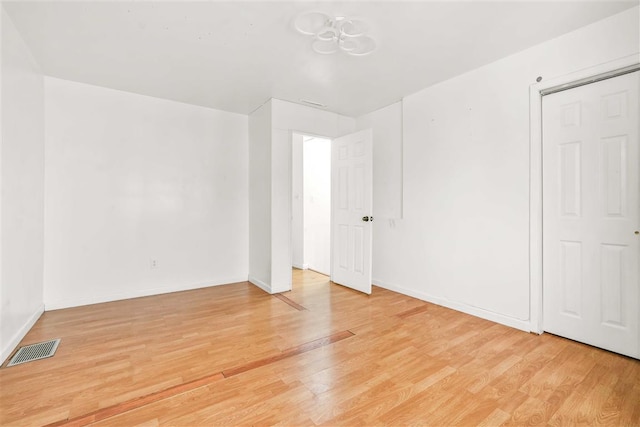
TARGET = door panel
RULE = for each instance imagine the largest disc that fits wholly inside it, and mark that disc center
(590, 213)
(352, 188)
(571, 278)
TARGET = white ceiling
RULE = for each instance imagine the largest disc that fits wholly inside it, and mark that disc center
(234, 55)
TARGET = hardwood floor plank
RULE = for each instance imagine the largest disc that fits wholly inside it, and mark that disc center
(496, 418)
(129, 405)
(235, 355)
(320, 342)
(532, 412)
(290, 302)
(371, 411)
(411, 312)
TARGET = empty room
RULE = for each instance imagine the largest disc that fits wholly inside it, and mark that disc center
(329, 213)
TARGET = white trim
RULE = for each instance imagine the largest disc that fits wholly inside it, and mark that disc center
(535, 209)
(535, 177)
(259, 283)
(305, 266)
(22, 332)
(98, 299)
(276, 289)
(331, 216)
(522, 325)
(319, 272)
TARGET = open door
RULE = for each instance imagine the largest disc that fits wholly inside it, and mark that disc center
(351, 209)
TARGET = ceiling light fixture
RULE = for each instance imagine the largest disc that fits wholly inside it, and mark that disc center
(335, 33)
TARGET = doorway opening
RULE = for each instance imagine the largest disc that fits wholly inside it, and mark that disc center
(311, 203)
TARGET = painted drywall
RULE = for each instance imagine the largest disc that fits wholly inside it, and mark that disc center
(464, 238)
(22, 196)
(270, 151)
(143, 195)
(260, 197)
(386, 124)
(387, 127)
(4, 346)
(297, 202)
(2, 333)
(317, 204)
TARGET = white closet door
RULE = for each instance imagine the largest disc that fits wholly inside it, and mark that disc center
(591, 192)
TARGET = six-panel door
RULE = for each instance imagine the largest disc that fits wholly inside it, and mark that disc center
(590, 214)
(351, 202)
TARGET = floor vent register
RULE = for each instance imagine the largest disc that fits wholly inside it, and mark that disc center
(32, 352)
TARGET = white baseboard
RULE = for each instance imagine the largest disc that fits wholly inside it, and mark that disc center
(318, 271)
(283, 287)
(20, 334)
(97, 299)
(259, 283)
(523, 325)
(300, 266)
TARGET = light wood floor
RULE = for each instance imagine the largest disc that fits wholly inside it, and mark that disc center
(319, 355)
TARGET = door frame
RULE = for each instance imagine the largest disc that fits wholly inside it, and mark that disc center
(290, 201)
(535, 178)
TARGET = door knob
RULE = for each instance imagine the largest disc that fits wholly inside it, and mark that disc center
(365, 218)
(636, 232)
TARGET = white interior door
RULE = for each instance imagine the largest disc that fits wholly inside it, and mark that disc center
(591, 214)
(351, 208)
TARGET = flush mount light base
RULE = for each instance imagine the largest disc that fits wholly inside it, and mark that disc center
(335, 33)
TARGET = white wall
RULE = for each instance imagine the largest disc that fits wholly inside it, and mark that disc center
(131, 179)
(275, 170)
(22, 181)
(317, 204)
(386, 124)
(464, 238)
(3, 346)
(260, 196)
(297, 202)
